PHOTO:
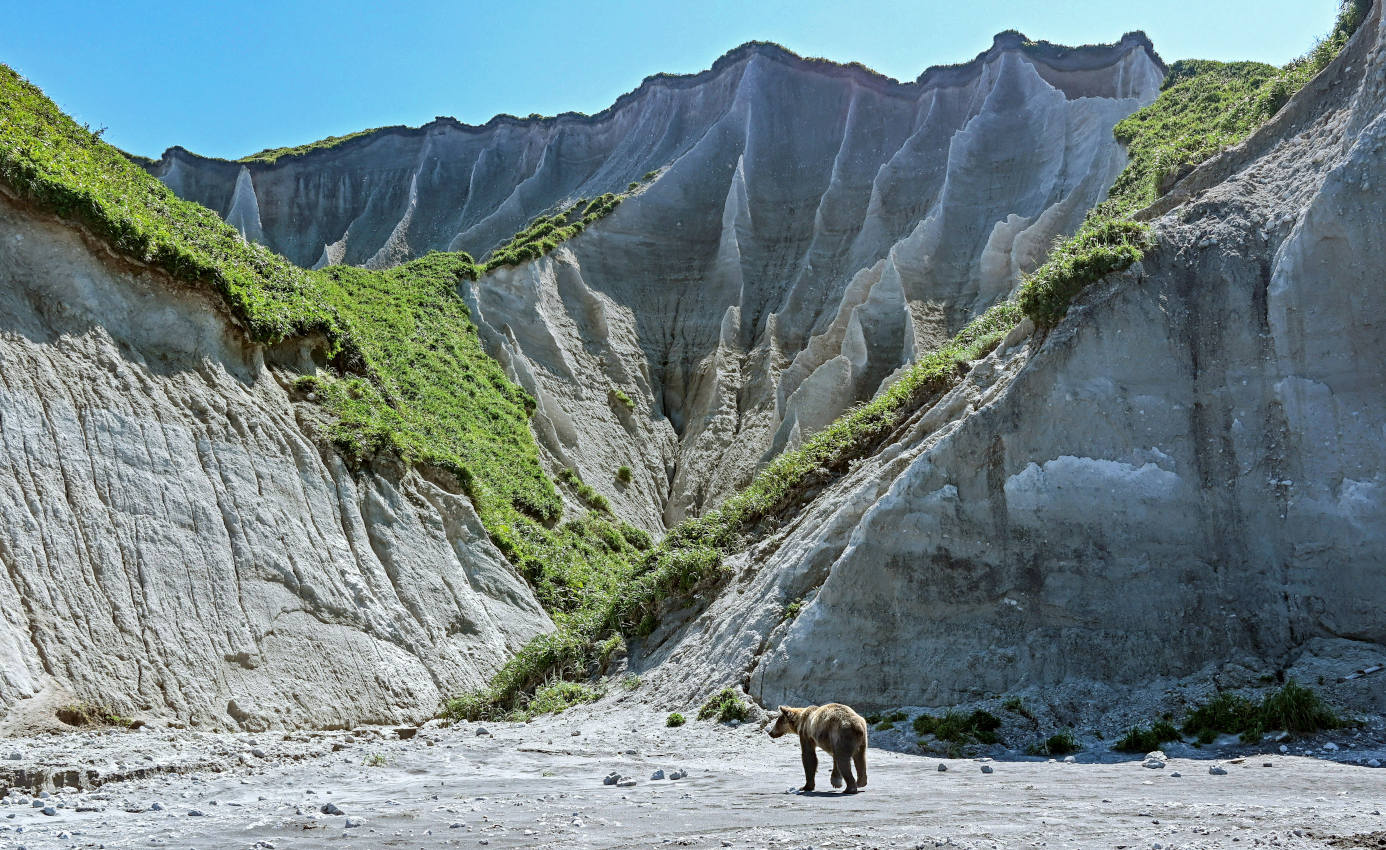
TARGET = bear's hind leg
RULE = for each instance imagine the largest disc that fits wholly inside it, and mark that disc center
(836, 778)
(860, 759)
(842, 762)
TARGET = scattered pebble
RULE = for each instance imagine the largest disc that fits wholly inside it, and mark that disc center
(481, 730)
(678, 774)
(986, 768)
(942, 768)
(657, 775)
(1217, 770)
(331, 809)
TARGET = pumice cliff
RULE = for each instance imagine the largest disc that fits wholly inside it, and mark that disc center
(809, 229)
(1185, 479)
(178, 540)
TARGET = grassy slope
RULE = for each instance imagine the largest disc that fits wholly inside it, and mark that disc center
(1204, 108)
(410, 376)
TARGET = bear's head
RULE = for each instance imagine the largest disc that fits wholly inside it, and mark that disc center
(787, 722)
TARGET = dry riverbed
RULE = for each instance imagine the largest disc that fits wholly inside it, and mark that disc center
(541, 784)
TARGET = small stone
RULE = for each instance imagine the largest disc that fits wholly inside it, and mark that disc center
(44, 795)
(657, 775)
(481, 730)
(38, 804)
(194, 813)
(50, 811)
(257, 752)
(942, 768)
(678, 774)
(457, 825)
(1176, 774)
(15, 756)
(156, 807)
(625, 783)
(331, 809)
(1373, 763)
(1070, 760)
(352, 823)
(1330, 746)
(1284, 749)
(1155, 760)
(64, 834)
(611, 779)
(986, 768)
(1217, 770)
(575, 733)
(1268, 764)
(406, 732)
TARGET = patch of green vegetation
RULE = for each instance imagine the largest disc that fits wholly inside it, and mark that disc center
(585, 491)
(792, 609)
(1206, 107)
(1292, 708)
(87, 714)
(1105, 243)
(557, 697)
(620, 397)
(630, 682)
(1062, 744)
(725, 706)
(625, 474)
(53, 164)
(374, 760)
(1016, 706)
(270, 156)
(674, 720)
(960, 728)
(1143, 740)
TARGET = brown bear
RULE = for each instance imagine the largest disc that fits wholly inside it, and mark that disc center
(833, 728)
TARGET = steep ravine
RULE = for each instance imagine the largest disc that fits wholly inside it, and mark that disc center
(1185, 480)
(812, 227)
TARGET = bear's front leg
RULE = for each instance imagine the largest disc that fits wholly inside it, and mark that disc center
(810, 761)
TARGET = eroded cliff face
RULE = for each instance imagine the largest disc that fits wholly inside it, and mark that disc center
(1187, 477)
(177, 541)
(812, 228)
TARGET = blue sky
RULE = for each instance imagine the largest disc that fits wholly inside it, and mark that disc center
(228, 78)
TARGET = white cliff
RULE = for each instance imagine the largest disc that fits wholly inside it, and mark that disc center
(176, 540)
(1187, 477)
(812, 228)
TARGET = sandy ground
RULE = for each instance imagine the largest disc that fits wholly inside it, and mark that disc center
(541, 785)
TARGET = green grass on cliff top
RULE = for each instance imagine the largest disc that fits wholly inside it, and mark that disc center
(1204, 108)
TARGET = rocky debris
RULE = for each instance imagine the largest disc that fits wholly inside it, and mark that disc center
(986, 768)
(1155, 760)
(678, 774)
(331, 809)
(1217, 770)
(942, 768)
(482, 731)
(657, 775)
(612, 778)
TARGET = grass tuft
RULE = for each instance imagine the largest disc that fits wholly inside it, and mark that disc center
(725, 706)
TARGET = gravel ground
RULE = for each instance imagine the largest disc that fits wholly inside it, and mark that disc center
(541, 785)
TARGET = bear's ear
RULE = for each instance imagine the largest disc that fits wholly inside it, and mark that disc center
(784, 709)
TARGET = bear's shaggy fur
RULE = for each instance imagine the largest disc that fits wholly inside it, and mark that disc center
(834, 728)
